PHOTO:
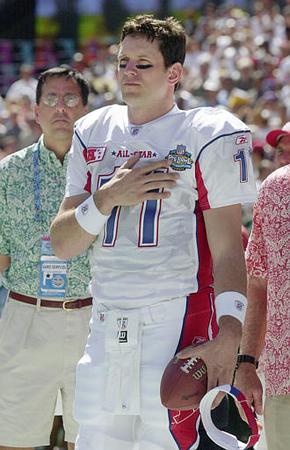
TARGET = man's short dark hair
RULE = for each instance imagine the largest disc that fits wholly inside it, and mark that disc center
(169, 33)
(66, 72)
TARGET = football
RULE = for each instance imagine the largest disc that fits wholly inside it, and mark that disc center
(183, 384)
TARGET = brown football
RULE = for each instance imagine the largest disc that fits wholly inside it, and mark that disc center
(184, 383)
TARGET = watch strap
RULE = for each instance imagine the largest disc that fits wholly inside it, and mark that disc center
(247, 358)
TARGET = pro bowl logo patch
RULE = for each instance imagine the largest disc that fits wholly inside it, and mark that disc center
(180, 158)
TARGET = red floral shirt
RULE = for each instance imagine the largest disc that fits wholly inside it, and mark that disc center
(268, 256)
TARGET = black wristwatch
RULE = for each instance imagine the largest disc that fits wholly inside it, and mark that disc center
(247, 358)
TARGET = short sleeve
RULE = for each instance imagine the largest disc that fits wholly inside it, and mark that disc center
(224, 172)
(77, 178)
(256, 253)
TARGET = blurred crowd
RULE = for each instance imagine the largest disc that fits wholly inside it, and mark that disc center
(236, 59)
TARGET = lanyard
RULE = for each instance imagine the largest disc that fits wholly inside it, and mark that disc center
(53, 272)
(36, 182)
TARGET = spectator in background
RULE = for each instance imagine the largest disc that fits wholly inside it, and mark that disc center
(226, 86)
(246, 79)
(279, 139)
(263, 166)
(45, 322)
(286, 15)
(210, 91)
(2, 105)
(266, 162)
(26, 85)
(265, 169)
(239, 102)
(18, 129)
(257, 156)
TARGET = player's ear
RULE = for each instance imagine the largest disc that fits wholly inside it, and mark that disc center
(175, 73)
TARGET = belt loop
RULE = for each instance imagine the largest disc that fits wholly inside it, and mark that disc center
(146, 315)
(38, 304)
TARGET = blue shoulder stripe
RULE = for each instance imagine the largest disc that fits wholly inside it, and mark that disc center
(82, 143)
(218, 137)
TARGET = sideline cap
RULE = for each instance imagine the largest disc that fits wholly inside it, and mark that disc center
(273, 136)
(222, 438)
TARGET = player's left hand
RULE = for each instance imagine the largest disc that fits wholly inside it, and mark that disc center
(249, 383)
(220, 354)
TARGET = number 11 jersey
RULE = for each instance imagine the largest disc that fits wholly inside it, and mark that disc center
(151, 252)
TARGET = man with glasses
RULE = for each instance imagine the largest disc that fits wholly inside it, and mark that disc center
(46, 319)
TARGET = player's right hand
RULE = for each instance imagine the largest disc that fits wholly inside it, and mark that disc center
(132, 185)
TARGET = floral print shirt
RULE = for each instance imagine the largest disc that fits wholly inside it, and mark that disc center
(20, 233)
(268, 256)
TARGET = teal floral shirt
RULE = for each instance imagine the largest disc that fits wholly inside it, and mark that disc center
(20, 233)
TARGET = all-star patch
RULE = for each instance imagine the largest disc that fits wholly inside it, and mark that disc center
(125, 153)
(181, 159)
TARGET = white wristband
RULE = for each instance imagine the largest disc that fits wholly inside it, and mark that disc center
(231, 303)
(89, 217)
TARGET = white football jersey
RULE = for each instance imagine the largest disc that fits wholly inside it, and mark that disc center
(150, 252)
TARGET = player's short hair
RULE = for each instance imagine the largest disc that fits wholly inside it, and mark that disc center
(67, 72)
(169, 33)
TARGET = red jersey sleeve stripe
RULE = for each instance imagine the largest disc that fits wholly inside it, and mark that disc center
(201, 188)
(88, 185)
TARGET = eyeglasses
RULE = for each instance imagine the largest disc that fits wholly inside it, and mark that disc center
(70, 100)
